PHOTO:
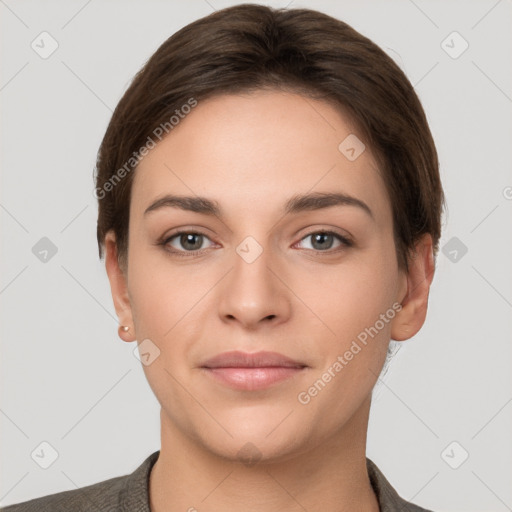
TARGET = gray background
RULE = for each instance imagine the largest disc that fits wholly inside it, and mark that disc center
(66, 377)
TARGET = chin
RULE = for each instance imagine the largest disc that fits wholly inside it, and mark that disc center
(258, 438)
(251, 451)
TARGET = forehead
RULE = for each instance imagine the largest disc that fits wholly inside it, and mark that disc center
(254, 151)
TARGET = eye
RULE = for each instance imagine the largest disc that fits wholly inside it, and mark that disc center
(185, 242)
(322, 241)
(190, 243)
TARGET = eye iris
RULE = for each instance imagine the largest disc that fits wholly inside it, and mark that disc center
(188, 238)
(320, 238)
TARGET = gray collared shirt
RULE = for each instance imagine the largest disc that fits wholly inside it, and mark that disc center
(130, 493)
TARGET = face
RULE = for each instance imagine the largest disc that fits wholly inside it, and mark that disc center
(297, 258)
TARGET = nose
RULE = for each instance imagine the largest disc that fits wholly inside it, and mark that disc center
(253, 292)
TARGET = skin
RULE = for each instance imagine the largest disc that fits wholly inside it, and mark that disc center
(251, 153)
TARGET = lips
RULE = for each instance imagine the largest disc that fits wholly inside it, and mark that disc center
(251, 371)
(237, 359)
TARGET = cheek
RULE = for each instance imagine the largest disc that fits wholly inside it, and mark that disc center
(169, 303)
(355, 304)
(348, 297)
(156, 294)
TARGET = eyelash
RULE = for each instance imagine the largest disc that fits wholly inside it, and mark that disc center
(344, 241)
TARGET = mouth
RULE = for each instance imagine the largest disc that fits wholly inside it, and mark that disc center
(252, 371)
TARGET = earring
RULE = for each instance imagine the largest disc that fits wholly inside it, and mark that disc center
(125, 328)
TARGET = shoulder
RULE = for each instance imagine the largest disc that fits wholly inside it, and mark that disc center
(128, 492)
(389, 499)
(100, 496)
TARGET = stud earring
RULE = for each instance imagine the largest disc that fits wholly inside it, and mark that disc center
(125, 328)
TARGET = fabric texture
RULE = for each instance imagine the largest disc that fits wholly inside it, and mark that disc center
(130, 493)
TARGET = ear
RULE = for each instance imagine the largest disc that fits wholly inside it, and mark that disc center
(417, 281)
(119, 288)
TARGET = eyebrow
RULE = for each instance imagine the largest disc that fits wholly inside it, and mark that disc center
(296, 204)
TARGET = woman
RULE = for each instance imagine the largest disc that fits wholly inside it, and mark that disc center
(269, 211)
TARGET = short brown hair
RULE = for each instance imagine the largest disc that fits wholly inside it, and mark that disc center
(249, 47)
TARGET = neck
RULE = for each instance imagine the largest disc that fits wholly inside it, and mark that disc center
(331, 476)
